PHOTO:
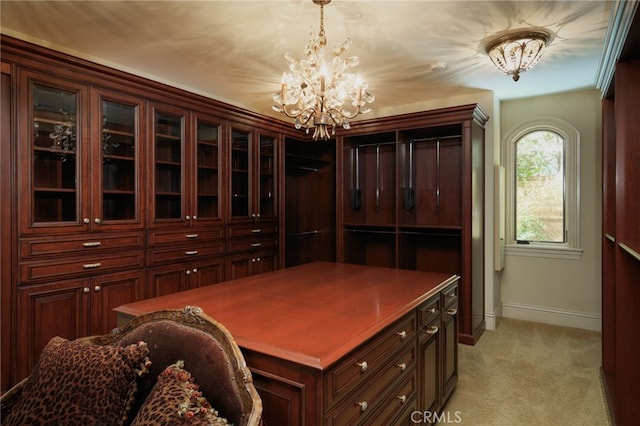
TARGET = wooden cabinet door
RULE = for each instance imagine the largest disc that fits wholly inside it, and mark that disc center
(265, 193)
(53, 154)
(168, 158)
(110, 291)
(46, 311)
(449, 351)
(207, 272)
(428, 365)
(117, 161)
(205, 174)
(239, 266)
(168, 279)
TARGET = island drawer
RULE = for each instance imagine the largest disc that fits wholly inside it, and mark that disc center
(368, 360)
(374, 393)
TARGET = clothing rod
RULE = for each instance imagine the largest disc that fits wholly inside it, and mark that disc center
(376, 144)
(306, 169)
(366, 231)
(299, 234)
(436, 138)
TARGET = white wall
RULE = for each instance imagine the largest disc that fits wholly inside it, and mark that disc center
(561, 291)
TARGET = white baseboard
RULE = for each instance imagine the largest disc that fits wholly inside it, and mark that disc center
(552, 316)
(493, 318)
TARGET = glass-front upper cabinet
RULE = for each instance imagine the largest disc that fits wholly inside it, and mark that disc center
(168, 166)
(207, 170)
(117, 159)
(52, 154)
(267, 177)
(240, 173)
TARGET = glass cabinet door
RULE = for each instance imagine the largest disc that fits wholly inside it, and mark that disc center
(240, 174)
(117, 152)
(207, 170)
(53, 157)
(168, 165)
(266, 182)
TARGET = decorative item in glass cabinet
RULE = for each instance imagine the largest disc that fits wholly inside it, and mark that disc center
(319, 93)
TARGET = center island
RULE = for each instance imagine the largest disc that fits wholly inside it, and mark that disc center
(335, 343)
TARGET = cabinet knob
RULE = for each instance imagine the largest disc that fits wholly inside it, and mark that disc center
(253, 260)
(97, 288)
(363, 405)
(86, 289)
(195, 270)
(195, 217)
(86, 220)
(452, 311)
(402, 398)
(258, 259)
(433, 310)
(402, 334)
(187, 217)
(363, 366)
(97, 221)
(188, 272)
(432, 330)
(402, 366)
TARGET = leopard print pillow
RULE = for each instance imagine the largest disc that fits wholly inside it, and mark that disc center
(75, 383)
(175, 400)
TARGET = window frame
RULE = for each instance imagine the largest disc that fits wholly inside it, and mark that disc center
(571, 248)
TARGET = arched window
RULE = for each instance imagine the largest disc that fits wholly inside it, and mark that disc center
(542, 185)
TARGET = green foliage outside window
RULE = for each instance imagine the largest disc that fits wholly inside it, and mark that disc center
(540, 187)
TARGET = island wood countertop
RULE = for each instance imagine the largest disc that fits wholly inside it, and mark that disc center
(312, 314)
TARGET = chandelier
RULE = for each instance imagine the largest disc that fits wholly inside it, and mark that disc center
(517, 52)
(319, 93)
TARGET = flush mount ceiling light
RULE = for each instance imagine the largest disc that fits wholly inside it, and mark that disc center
(517, 52)
(320, 93)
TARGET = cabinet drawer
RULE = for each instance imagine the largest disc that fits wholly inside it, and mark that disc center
(184, 253)
(80, 265)
(428, 311)
(238, 231)
(161, 237)
(450, 296)
(246, 244)
(398, 405)
(368, 360)
(79, 243)
(357, 405)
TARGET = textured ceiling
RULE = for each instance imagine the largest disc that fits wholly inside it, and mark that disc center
(233, 50)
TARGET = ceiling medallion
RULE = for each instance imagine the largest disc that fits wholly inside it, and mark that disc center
(322, 93)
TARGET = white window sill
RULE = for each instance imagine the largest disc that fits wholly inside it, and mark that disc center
(538, 250)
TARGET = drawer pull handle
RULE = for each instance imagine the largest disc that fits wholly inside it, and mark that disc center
(402, 398)
(452, 311)
(402, 334)
(402, 366)
(256, 244)
(363, 366)
(91, 265)
(432, 330)
(191, 253)
(256, 231)
(91, 244)
(363, 405)
(191, 236)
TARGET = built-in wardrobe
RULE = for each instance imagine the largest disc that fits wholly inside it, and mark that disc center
(411, 196)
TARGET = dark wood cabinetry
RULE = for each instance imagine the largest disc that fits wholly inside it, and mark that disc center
(412, 197)
(309, 219)
(621, 245)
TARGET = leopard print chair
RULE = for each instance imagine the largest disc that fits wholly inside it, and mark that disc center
(181, 343)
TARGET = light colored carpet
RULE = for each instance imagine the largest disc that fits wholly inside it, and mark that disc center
(526, 373)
